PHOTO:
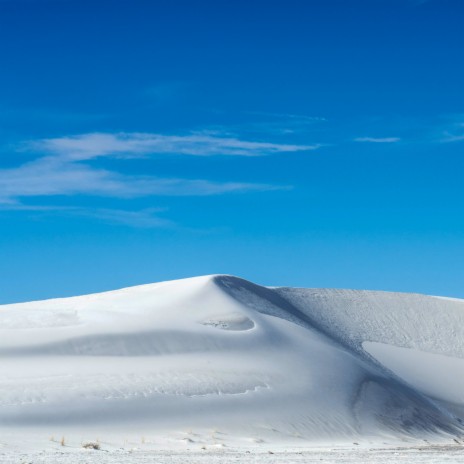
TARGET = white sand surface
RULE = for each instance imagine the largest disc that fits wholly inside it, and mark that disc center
(216, 364)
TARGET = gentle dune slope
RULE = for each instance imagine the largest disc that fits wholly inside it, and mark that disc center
(222, 353)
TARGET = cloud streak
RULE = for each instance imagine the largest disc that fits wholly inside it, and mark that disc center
(377, 139)
(271, 124)
(134, 145)
(49, 176)
(450, 137)
(147, 218)
(454, 138)
(64, 167)
(143, 218)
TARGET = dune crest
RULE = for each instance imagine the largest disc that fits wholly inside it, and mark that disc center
(222, 352)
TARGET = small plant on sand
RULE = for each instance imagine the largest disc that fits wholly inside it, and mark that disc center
(95, 445)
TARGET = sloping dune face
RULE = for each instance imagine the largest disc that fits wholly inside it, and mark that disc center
(222, 353)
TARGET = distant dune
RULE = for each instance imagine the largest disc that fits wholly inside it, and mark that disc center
(221, 356)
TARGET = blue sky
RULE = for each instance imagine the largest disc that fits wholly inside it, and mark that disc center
(298, 142)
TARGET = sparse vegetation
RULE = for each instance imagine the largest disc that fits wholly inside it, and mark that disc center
(95, 445)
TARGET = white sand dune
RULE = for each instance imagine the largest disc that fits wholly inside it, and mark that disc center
(222, 354)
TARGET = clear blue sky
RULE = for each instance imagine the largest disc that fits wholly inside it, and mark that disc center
(297, 142)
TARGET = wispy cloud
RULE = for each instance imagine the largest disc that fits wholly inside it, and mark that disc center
(140, 218)
(87, 146)
(453, 138)
(456, 136)
(271, 124)
(300, 118)
(49, 176)
(377, 139)
(63, 167)
(146, 218)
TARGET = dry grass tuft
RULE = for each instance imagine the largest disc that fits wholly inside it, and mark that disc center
(91, 445)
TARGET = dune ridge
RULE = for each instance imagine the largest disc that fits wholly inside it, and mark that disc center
(255, 362)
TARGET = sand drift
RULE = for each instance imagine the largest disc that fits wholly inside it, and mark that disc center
(221, 353)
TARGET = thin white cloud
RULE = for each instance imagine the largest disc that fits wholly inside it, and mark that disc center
(64, 168)
(266, 124)
(145, 218)
(377, 139)
(92, 145)
(51, 176)
(300, 118)
(453, 137)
